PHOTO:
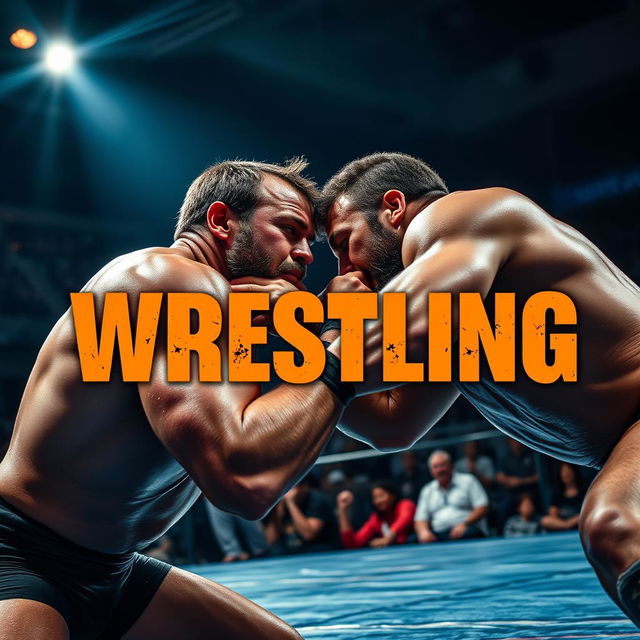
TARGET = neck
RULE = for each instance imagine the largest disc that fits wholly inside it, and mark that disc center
(418, 206)
(200, 246)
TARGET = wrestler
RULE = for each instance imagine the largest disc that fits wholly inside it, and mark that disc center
(95, 472)
(393, 226)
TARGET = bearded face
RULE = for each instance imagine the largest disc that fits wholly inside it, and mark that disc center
(384, 255)
(248, 257)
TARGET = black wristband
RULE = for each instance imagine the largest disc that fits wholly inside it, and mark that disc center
(329, 325)
(331, 377)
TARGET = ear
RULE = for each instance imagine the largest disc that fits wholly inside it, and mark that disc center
(394, 207)
(220, 221)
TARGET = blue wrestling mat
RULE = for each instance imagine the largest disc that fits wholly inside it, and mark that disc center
(538, 587)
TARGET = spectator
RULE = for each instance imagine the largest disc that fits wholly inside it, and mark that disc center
(390, 523)
(526, 522)
(452, 506)
(411, 478)
(566, 501)
(307, 520)
(516, 474)
(479, 466)
(231, 531)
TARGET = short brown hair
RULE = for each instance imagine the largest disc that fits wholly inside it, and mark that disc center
(237, 184)
(367, 179)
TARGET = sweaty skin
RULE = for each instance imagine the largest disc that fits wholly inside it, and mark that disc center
(496, 240)
(111, 466)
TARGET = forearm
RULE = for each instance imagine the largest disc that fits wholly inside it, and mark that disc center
(344, 522)
(476, 515)
(283, 432)
(555, 523)
(395, 419)
(300, 522)
(422, 528)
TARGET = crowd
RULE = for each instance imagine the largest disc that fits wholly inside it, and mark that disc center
(412, 497)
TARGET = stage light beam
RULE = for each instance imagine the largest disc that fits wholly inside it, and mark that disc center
(60, 58)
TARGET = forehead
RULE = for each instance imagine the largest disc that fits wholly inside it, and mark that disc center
(343, 215)
(277, 192)
(439, 460)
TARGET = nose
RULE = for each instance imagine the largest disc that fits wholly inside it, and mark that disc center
(302, 252)
(344, 265)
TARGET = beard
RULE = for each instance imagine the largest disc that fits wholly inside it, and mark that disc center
(385, 255)
(247, 258)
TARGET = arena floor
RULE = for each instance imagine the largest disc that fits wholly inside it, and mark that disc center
(530, 588)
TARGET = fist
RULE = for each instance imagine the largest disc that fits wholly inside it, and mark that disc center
(275, 287)
(352, 282)
(344, 499)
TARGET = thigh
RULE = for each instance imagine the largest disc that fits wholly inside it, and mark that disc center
(22, 619)
(190, 606)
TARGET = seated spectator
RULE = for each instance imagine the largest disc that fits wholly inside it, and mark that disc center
(452, 506)
(390, 523)
(304, 521)
(516, 474)
(526, 522)
(237, 538)
(566, 501)
(479, 466)
(412, 477)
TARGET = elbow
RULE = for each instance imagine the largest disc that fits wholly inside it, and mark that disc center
(397, 442)
(251, 498)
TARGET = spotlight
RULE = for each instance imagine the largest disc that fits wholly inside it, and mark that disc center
(59, 58)
(23, 39)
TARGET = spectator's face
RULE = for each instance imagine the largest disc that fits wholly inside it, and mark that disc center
(526, 509)
(441, 469)
(382, 499)
(567, 474)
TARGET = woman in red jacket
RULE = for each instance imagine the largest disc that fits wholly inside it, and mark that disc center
(390, 523)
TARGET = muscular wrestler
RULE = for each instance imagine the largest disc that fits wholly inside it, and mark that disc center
(96, 471)
(394, 227)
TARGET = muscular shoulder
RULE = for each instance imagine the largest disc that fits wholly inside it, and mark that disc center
(494, 213)
(156, 270)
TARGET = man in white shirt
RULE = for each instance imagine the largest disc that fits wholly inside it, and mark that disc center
(452, 506)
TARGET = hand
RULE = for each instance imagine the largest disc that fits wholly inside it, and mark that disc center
(380, 542)
(344, 500)
(291, 495)
(351, 282)
(275, 287)
(426, 537)
(458, 531)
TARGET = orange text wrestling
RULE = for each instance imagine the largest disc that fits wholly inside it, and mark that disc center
(546, 355)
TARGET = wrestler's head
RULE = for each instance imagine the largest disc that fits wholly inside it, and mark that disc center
(260, 216)
(366, 207)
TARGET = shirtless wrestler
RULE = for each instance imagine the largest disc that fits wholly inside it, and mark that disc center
(393, 226)
(96, 471)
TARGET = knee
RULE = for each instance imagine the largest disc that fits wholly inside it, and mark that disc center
(604, 530)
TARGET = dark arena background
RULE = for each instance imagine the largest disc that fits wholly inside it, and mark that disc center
(541, 97)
